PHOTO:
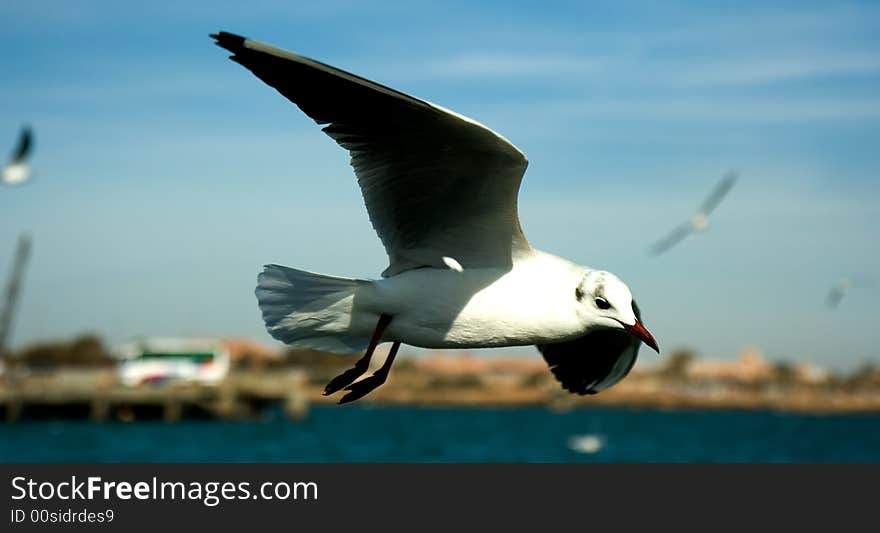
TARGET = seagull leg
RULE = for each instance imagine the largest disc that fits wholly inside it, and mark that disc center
(347, 377)
(365, 386)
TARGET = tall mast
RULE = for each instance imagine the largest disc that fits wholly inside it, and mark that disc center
(13, 290)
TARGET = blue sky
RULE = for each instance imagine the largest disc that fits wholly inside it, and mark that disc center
(167, 175)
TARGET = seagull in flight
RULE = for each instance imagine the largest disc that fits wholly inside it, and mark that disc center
(700, 220)
(441, 192)
(18, 171)
(842, 287)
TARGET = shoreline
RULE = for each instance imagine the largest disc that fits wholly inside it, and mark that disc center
(835, 405)
(98, 394)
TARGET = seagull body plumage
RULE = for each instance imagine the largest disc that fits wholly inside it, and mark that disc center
(18, 170)
(531, 303)
(441, 192)
(15, 174)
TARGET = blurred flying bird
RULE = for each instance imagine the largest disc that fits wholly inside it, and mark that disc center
(700, 220)
(18, 170)
(441, 192)
(835, 295)
(842, 287)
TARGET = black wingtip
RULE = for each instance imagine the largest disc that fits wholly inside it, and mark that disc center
(229, 41)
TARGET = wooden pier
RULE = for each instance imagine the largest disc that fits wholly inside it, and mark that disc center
(97, 395)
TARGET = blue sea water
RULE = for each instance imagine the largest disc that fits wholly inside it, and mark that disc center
(407, 434)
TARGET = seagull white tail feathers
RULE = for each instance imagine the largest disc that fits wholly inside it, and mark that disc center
(308, 310)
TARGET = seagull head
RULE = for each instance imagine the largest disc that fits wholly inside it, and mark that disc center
(606, 302)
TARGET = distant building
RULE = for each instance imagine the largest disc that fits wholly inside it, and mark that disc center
(750, 366)
(807, 372)
(247, 352)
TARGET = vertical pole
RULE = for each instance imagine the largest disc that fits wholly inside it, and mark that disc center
(13, 289)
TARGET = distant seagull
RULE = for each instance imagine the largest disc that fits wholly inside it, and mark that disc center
(441, 192)
(842, 287)
(18, 170)
(586, 443)
(700, 220)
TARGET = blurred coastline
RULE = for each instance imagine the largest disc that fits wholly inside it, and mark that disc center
(84, 379)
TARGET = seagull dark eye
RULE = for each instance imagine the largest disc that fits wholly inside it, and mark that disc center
(602, 303)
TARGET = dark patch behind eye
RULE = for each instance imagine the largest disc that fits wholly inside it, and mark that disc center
(579, 293)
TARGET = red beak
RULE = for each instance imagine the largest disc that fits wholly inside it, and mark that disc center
(639, 331)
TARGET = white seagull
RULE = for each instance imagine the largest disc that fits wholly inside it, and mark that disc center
(18, 171)
(441, 192)
(700, 220)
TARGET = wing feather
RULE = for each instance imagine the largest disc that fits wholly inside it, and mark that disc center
(23, 149)
(718, 194)
(674, 237)
(435, 183)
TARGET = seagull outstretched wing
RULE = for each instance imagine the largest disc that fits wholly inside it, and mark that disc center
(23, 149)
(718, 194)
(435, 184)
(675, 236)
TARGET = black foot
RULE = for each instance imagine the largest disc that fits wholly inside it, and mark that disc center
(363, 387)
(348, 377)
(345, 379)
